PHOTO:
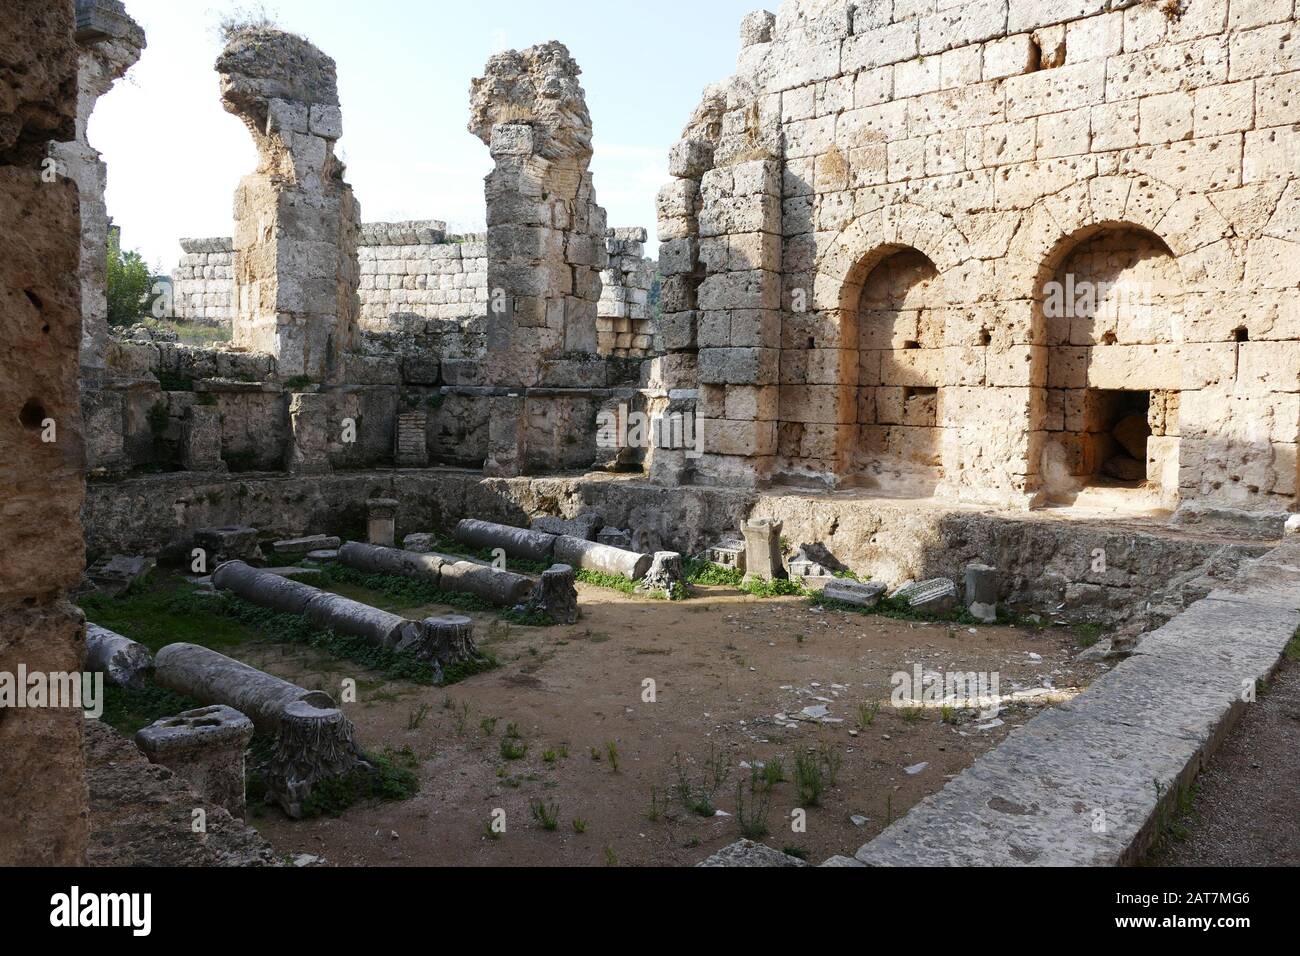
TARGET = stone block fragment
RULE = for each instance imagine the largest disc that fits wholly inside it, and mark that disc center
(205, 747)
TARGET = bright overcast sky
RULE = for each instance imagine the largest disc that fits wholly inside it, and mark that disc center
(175, 156)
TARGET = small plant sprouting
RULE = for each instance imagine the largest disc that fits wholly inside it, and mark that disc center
(657, 808)
(549, 756)
(867, 714)
(809, 779)
(753, 817)
(488, 725)
(595, 755)
(546, 815)
(773, 772)
(513, 749)
(699, 799)
(611, 749)
(416, 717)
(579, 825)
(611, 858)
(831, 761)
(912, 715)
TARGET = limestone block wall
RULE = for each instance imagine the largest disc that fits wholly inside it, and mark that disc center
(296, 219)
(42, 485)
(415, 268)
(623, 321)
(938, 249)
(203, 282)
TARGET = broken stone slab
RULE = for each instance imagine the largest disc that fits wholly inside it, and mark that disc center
(804, 567)
(556, 595)
(728, 553)
(381, 517)
(519, 543)
(857, 593)
(937, 596)
(590, 556)
(123, 662)
(753, 855)
(228, 544)
(378, 627)
(322, 558)
(408, 564)
(665, 577)
(206, 748)
(586, 525)
(502, 588)
(421, 543)
(982, 590)
(299, 547)
(265, 590)
(114, 576)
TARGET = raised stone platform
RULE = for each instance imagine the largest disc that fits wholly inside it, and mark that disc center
(1098, 567)
(1086, 784)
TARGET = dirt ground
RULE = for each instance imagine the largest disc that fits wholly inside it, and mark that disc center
(724, 665)
(1244, 811)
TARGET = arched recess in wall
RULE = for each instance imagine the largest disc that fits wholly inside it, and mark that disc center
(1109, 305)
(875, 369)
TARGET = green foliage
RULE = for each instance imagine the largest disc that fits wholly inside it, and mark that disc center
(547, 815)
(129, 284)
(127, 710)
(699, 571)
(600, 579)
(165, 613)
(392, 779)
(700, 798)
(512, 748)
(809, 779)
(752, 816)
(408, 593)
(776, 588)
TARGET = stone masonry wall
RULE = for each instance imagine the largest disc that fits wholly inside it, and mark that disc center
(42, 785)
(986, 143)
(415, 268)
(203, 283)
(623, 321)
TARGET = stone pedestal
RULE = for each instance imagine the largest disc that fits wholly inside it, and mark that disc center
(382, 522)
(763, 549)
(982, 586)
(206, 747)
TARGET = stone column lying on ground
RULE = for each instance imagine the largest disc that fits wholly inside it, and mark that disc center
(206, 748)
(376, 560)
(342, 615)
(590, 556)
(265, 590)
(515, 542)
(556, 595)
(212, 678)
(314, 740)
(502, 588)
(123, 662)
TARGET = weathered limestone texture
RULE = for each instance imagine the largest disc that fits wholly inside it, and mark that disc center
(969, 250)
(122, 661)
(110, 43)
(416, 269)
(296, 220)
(623, 321)
(1122, 753)
(43, 786)
(206, 747)
(203, 283)
(546, 234)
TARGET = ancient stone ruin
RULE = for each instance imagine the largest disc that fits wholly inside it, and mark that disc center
(981, 318)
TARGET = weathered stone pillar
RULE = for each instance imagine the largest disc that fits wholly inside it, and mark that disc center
(201, 440)
(308, 448)
(546, 234)
(42, 785)
(109, 44)
(296, 220)
(763, 549)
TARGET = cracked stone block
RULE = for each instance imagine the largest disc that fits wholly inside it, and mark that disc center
(763, 549)
(853, 592)
(381, 522)
(206, 747)
(982, 589)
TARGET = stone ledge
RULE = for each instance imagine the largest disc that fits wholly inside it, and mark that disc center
(1086, 784)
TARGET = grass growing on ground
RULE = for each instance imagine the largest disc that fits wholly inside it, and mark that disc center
(127, 710)
(1293, 649)
(392, 779)
(614, 582)
(708, 574)
(164, 612)
(408, 593)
